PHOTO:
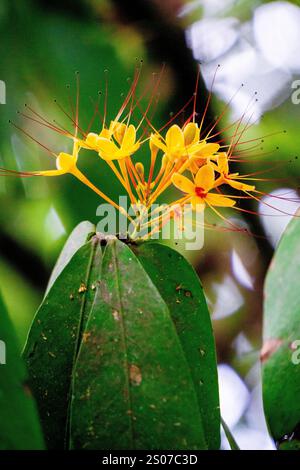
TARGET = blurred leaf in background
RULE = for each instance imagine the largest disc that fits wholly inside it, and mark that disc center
(20, 427)
(41, 47)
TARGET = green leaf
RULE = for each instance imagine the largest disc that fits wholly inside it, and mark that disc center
(55, 336)
(280, 359)
(77, 238)
(20, 428)
(180, 288)
(290, 445)
(231, 441)
(133, 388)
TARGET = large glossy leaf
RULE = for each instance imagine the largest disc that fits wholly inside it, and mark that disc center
(55, 336)
(133, 388)
(20, 428)
(281, 367)
(181, 289)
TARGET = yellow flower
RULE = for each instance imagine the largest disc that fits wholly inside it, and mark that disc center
(115, 143)
(199, 189)
(183, 143)
(229, 178)
(65, 163)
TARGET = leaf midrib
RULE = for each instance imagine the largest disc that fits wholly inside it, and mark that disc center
(124, 342)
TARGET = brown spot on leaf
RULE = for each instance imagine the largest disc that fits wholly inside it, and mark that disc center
(135, 375)
(44, 336)
(82, 288)
(186, 292)
(116, 315)
(269, 348)
(85, 337)
(27, 390)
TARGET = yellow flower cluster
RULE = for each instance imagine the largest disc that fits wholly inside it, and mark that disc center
(182, 157)
(182, 151)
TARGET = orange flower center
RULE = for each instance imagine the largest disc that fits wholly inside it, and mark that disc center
(200, 192)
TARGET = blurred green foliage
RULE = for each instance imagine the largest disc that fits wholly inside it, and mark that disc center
(40, 51)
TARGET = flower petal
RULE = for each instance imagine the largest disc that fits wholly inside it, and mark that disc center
(198, 204)
(105, 133)
(207, 150)
(191, 133)
(219, 200)
(106, 147)
(129, 138)
(239, 185)
(156, 141)
(174, 138)
(184, 184)
(118, 130)
(205, 177)
(91, 141)
(223, 163)
(65, 162)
